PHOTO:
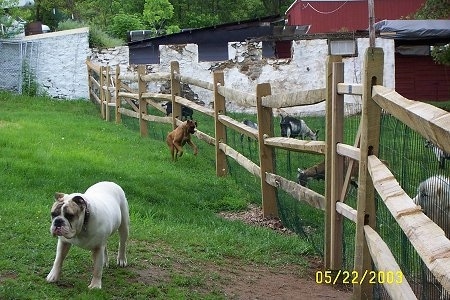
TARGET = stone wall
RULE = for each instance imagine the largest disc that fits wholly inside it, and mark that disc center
(245, 69)
(59, 62)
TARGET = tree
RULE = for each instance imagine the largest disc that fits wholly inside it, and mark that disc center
(157, 12)
(122, 23)
(437, 9)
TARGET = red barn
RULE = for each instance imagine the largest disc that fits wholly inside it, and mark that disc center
(417, 76)
(350, 15)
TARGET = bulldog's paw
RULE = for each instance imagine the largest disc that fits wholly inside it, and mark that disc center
(95, 284)
(122, 261)
(53, 276)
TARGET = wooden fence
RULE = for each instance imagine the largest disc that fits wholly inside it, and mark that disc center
(432, 123)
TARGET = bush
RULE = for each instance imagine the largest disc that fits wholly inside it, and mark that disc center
(122, 23)
(97, 37)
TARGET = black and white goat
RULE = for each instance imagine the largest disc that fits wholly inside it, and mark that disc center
(186, 112)
(441, 156)
(293, 127)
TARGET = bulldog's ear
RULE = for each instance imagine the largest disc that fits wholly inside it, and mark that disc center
(79, 201)
(59, 196)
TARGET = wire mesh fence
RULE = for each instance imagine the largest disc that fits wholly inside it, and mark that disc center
(18, 66)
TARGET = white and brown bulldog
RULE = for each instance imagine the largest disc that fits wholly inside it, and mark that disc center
(87, 220)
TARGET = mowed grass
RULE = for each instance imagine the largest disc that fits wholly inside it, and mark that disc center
(50, 146)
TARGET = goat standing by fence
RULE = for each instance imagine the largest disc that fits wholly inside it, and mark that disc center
(292, 127)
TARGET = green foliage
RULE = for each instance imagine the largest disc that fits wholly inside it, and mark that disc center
(100, 39)
(122, 23)
(441, 54)
(70, 24)
(97, 37)
(157, 12)
(434, 9)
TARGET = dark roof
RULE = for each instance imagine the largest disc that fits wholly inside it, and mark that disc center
(414, 29)
(229, 32)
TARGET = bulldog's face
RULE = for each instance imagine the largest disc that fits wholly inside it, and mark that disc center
(68, 213)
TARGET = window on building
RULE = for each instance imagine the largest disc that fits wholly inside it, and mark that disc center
(342, 47)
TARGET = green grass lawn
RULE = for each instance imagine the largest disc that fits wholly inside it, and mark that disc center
(50, 146)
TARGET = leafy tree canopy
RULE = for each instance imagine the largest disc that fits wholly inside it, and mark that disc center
(437, 9)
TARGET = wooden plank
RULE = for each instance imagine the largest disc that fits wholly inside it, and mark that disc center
(348, 151)
(118, 83)
(129, 112)
(295, 99)
(205, 110)
(241, 159)
(297, 191)
(385, 264)
(95, 82)
(429, 121)
(349, 88)
(159, 119)
(129, 77)
(328, 158)
(143, 125)
(346, 210)
(93, 66)
(240, 98)
(194, 81)
(175, 87)
(155, 77)
(219, 129)
(158, 96)
(239, 126)
(129, 95)
(337, 168)
(266, 153)
(370, 136)
(204, 137)
(427, 238)
(296, 145)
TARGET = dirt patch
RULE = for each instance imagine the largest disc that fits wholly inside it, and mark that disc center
(259, 282)
(238, 280)
(254, 216)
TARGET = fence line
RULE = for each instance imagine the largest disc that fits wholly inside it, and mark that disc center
(432, 123)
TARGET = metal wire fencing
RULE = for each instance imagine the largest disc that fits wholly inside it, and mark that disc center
(18, 66)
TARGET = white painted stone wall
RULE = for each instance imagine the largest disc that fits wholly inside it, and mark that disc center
(305, 70)
(61, 70)
(60, 67)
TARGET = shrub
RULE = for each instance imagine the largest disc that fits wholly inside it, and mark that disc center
(97, 37)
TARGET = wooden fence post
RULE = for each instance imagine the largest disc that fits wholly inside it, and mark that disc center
(266, 153)
(142, 103)
(328, 156)
(175, 88)
(337, 168)
(220, 129)
(89, 73)
(117, 90)
(107, 92)
(102, 91)
(370, 136)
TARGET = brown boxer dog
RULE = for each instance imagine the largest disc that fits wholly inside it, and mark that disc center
(181, 135)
